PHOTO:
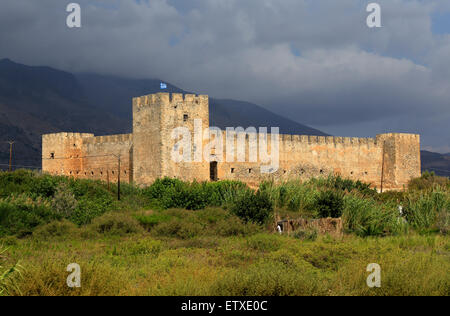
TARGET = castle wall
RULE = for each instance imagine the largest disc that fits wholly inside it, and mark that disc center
(101, 158)
(388, 161)
(303, 157)
(62, 152)
(87, 156)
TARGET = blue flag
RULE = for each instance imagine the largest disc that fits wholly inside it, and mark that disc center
(163, 85)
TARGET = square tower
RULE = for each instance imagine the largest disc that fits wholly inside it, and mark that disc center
(155, 117)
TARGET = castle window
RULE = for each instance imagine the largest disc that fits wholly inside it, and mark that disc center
(125, 171)
(284, 171)
(92, 172)
(250, 170)
(351, 173)
(366, 173)
(74, 145)
(232, 170)
(185, 117)
(52, 155)
(321, 171)
(101, 172)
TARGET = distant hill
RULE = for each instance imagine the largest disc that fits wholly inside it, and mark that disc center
(39, 100)
(439, 163)
(114, 95)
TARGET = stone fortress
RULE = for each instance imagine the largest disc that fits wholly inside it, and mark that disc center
(387, 161)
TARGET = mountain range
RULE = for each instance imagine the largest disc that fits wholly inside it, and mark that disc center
(35, 100)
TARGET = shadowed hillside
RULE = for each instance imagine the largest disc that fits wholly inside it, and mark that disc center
(39, 100)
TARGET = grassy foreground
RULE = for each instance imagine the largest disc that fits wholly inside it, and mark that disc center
(176, 238)
(262, 264)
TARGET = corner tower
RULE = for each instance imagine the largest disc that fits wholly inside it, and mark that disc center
(400, 159)
(155, 116)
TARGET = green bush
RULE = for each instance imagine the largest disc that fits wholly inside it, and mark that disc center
(365, 217)
(20, 214)
(421, 209)
(391, 196)
(340, 184)
(178, 228)
(234, 226)
(56, 229)
(64, 202)
(292, 195)
(149, 221)
(174, 193)
(115, 224)
(329, 204)
(253, 207)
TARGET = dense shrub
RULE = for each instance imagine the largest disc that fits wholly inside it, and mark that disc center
(255, 207)
(115, 224)
(292, 195)
(329, 204)
(21, 214)
(234, 226)
(149, 221)
(173, 193)
(88, 209)
(56, 229)
(391, 196)
(340, 184)
(421, 209)
(365, 217)
(178, 228)
(64, 202)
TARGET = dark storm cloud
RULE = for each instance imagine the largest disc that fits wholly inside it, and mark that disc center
(313, 61)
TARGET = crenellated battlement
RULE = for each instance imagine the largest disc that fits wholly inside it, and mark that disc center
(65, 135)
(169, 99)
(120, 138)
(319, 140)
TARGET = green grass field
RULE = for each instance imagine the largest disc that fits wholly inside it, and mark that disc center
(216, 239)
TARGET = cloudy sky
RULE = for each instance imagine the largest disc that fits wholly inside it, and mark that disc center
(314, 61)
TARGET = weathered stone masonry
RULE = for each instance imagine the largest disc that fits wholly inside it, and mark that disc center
(389, 160)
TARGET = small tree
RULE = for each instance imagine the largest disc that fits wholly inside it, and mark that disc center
(64, 202)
